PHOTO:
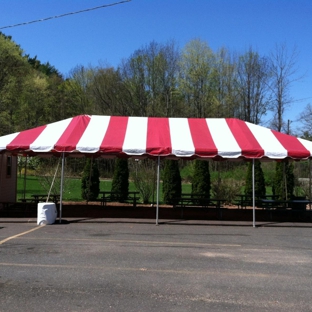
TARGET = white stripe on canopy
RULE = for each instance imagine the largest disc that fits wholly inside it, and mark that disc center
(181, 139)
(268, 141)
(92, 138)
(46, 141)
(223, 138)
(135, 140)
(6, 139)
(307, 144)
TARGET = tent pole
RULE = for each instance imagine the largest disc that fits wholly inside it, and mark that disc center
(61, 190)
(154, 178)
(157, 190)
(253, 195)
(310, 183)
(25, 174)
(1, 166)
(53, 180)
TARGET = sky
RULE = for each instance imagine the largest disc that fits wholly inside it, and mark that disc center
(109, 34)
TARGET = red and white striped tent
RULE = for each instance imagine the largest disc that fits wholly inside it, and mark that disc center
(226, 138)
(115, 136)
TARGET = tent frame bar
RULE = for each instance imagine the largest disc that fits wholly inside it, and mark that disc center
(61, 187)
(253, 195)
(157, 189)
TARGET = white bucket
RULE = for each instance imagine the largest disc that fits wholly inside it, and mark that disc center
(46, 213)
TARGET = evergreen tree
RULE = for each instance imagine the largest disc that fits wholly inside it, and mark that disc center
(259, 181)
(284, 180)
(201, 179)
(172, 187)
(90, 182)
(120, 183)
(290, 179)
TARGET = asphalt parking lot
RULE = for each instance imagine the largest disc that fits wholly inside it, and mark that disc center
(134, 265)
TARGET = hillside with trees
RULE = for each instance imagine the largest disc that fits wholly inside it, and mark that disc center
(158, 79)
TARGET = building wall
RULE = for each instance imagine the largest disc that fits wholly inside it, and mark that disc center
(8, 178)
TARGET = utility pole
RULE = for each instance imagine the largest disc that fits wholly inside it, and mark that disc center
(288, 126)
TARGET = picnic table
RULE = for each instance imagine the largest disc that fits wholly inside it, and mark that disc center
(36, 198)
(108, 196)
(294, 204)
(43, 198)
(296, 207)
(187, 200)
(244, 200)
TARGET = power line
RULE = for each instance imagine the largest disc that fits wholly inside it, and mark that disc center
(66, 14)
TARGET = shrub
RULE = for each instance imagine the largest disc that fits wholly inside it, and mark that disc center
(226, 189)
(284, 180)
(143, 175)
(201, 179)
(90, 181)
(259, 181)
(120, 183)
(172, 187)
(187, 171)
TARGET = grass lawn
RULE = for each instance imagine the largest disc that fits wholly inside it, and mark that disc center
(72, 188)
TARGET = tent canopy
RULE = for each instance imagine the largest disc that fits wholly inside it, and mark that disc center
(214, 138)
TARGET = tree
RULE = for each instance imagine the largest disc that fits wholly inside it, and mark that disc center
(120, 183)
(252, 86)
(305, 119)
(162, 70)
(33, 101)
(134, 77)
(47, 69)
(283, 70)
(43, 99)
(260, 189)
(227, 100)
(201, 179)
(284, 180)
(196, 80)
(90, 181)
(78, 90)
(60, 102)
(31, 93)
(143, 175)
(150, 77)
(109, 92)
(13, 70)
(172, 187)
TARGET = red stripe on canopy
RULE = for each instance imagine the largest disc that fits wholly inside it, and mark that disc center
(158, 141)
(202, 139)
(245, 139)
(71, 136)
(115, 135)
(294, 147)
(25, 138)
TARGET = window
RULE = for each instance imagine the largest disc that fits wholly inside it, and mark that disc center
(9, 166)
